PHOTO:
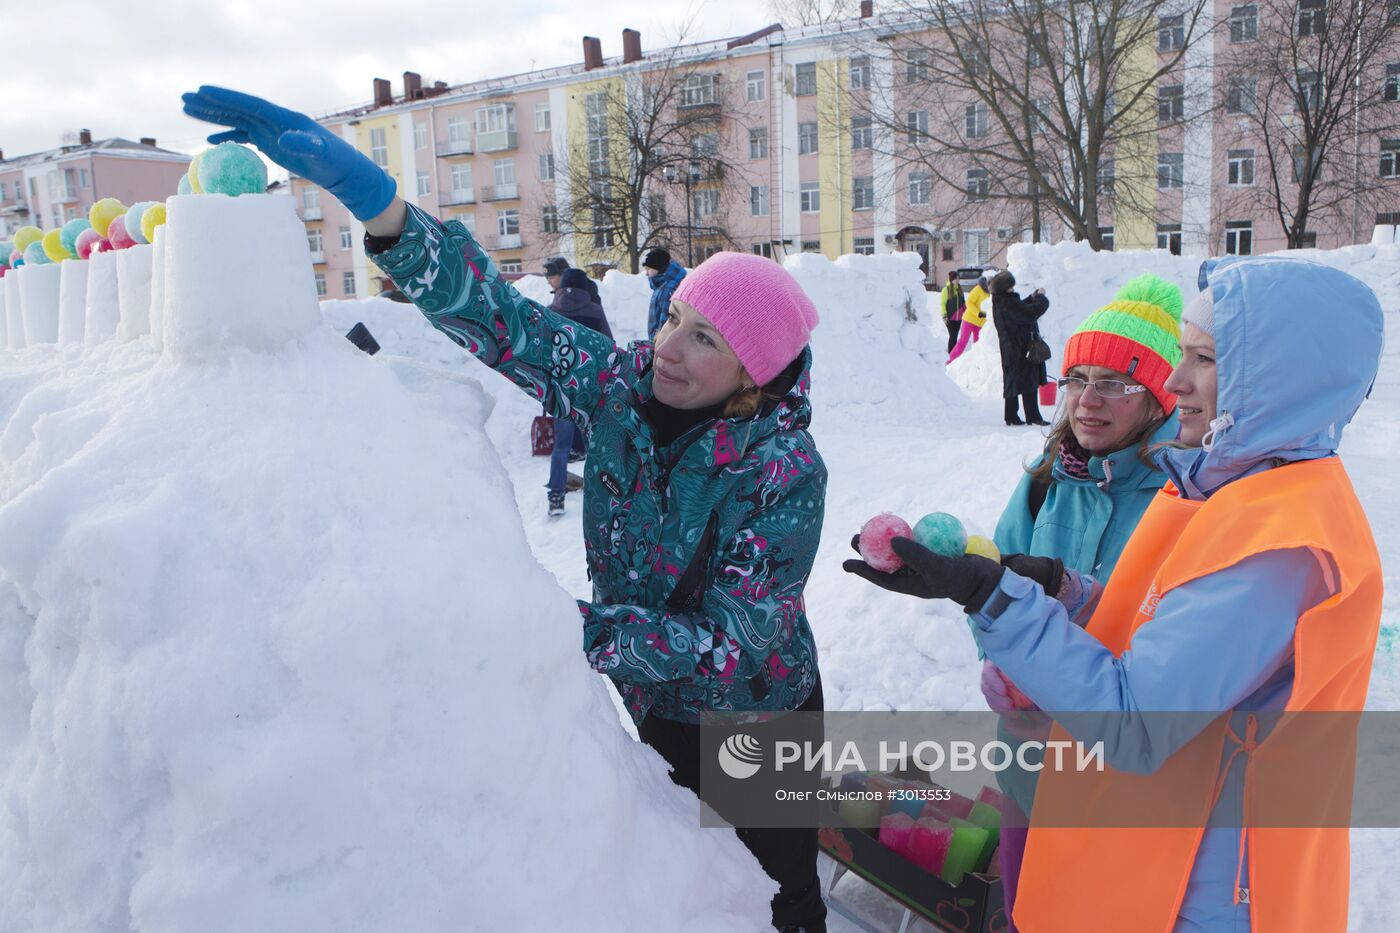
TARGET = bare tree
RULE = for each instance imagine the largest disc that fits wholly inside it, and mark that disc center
(1042, 108)
(1307, 84)
(647, 133)
(810, 12)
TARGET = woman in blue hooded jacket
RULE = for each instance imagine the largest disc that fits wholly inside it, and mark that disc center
(1253, 588)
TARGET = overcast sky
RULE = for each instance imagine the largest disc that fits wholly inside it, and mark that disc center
(119, 69)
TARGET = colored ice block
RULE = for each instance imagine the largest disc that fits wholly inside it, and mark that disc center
(964, 850)
(928, 844)
(989, 818)
(895, 830)
(862, 813)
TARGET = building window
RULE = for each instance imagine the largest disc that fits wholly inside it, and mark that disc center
(810, 197)
(310, 198)
(860, 72)
(758, 143)
(1239, 237)
(1171, 33)
(1392, 82)
(1307, 240)
(754, 86)
(806, 138)
(763, 249)
(916, 65)
(979, 184)
(706, 202)
(1239, 170)
(975, 121)
(1312, 17)
(420, 135)
(1106, 178)
(498, 118)
(811, 246)
(758, 200)
(1240, 94)
(1040, 115)
(1310, 90)
(806, 79)
(508, 222)
(1035, 42)
(549, 219)
(917, 124)
(1390, 158)
(1106, 238)
(82, 180)
(1171, 102)
(704, 146)
(1171, 170)
(379, 147)
(320, 278)
(510, 265)
(459, 131)
(654, 209)
(546, 166)
(503, 173)
(595, 108)
(920, 187)
(698, 90)
(862, 133)
(977, 247)
(314, 241)
(347, 284)
(1169, 238)
(1300, 161)
(542, 118)
(345, 241)
(1392, 12)
(863, 193)
(1244, 23)
(864, 246)
(461, 178)
(425, 184)
(468, 220)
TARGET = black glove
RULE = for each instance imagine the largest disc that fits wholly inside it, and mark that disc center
(1049, 572)
(361, 337)
(968, 580)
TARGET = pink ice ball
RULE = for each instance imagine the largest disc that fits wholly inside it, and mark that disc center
(85, 242)
(875, 538)
(117, 235)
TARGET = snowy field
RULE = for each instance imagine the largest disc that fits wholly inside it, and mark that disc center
(274, 652)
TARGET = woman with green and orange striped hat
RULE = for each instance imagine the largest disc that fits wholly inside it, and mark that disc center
(1081, 499)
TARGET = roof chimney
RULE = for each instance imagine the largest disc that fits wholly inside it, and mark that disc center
(439, 87)
(383, 96)
(592, 53)
(867, 9)
(148, 141)
(631, 46)
(412, 85)
(84, 137)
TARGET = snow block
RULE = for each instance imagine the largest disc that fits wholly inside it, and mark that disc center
(72, 301)
(103, 311)
(39, 286)
(14, 311)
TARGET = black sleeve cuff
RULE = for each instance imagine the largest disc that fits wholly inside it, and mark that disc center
(378, 244)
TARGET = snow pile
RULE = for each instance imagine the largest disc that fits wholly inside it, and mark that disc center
(274, 652)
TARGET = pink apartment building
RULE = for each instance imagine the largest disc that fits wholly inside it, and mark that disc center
(48, 188)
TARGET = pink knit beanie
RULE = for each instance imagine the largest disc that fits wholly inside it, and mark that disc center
(758, 307)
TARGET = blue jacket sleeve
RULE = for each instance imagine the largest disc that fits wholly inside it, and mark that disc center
(1213, 642)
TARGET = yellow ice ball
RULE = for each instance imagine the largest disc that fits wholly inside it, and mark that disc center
(193, 174)
(26, 235)
(982, 547)
(53, 246)
(104, 212)
(153, 217)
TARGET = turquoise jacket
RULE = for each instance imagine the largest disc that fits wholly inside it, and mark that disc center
(740, 500)
(1085, 523)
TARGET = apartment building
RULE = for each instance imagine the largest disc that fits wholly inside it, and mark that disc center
(46, 189)
(803, 139)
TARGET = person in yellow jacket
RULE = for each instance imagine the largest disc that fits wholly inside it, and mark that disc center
(974, 316)
(1222, 671)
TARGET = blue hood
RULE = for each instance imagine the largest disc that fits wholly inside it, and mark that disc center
(1297, 347)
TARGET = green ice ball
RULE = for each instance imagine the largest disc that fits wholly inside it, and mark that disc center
(942, 534)
(232, 169)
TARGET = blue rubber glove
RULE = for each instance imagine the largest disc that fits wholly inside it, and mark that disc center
(298, 144)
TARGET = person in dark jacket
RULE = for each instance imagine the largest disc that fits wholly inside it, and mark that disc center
(1015, 318)
(663, 275)
(953, 304)
(554, 270)
(573, 301)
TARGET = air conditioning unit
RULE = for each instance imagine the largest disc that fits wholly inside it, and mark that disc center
(890, 238)
(950, 236)
(1003, 233)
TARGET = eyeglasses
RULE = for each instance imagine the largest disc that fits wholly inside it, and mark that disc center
(1105, 388)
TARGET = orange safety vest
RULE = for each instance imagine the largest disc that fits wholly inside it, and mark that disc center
(1085, 871)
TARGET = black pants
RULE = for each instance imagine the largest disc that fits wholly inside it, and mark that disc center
(953, 328)
(789, 856)
(1029, 401)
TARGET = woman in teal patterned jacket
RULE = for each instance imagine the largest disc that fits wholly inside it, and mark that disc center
(703, 493)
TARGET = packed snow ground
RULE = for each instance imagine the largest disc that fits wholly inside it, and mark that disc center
(242, 599)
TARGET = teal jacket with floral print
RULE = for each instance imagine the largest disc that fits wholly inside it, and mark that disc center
(740, 499)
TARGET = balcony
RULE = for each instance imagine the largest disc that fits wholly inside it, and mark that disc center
(63, 194)
(495, 141)
(454, 147)
(459, 196)
(507, 241)
(317, 257)
(311, 213)
(500, 192)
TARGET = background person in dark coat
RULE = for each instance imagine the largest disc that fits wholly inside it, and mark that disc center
(663, 275)
(573, 300)
(1015, 319)
(554, 270)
